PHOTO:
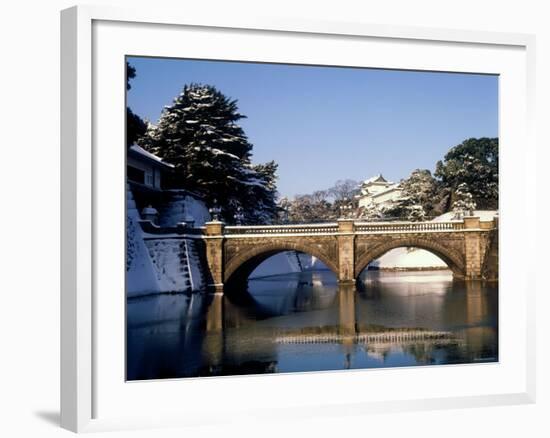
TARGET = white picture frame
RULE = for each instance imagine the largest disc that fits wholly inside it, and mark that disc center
(87, 313)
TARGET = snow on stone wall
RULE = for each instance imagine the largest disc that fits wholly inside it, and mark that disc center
(164, 265)
(288, 262)
(196, 276)
(181, 207)
(176, 264)
(282, 263)
(311, 263)
(169, 268)
(140, 278)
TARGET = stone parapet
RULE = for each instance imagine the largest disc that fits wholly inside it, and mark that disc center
(346, 225)
(214, 228)
(471, 222)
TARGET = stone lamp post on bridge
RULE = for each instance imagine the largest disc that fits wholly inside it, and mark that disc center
(215, 211)
(214, 248)
(239, 216)
(345, 209)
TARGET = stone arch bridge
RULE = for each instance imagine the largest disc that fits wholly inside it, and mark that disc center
(469, 247)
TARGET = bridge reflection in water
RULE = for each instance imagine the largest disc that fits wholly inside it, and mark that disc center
(309, 322)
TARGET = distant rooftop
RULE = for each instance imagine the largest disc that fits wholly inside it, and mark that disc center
(376, 179)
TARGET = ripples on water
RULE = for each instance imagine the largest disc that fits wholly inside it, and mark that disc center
(307, 322)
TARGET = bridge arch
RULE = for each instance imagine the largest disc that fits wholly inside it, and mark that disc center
(453, 259)
(239, 267)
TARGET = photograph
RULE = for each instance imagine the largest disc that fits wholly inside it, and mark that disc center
(285, 218)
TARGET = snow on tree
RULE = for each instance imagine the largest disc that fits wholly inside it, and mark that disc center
(415, 213)
(321, 205)
(474, 162)
(371, 212)
(283, 210)
(464, 204)
(199, 134)
(310, 208)
(416, 199)
(419, 188)
(263, 190)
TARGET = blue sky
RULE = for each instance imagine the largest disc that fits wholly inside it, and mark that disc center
(322, 124)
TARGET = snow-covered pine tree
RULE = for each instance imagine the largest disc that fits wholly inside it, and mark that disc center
(199, 134)
(262, 188)
(464, 204)
(371, 212)
(416, 200)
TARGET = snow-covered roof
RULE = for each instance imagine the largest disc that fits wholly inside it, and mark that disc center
(376, 179)
(138, 151)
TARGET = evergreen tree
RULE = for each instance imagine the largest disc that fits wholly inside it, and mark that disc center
(474, 163)
(416, 200)
(464, 204)
(371, 212)
(130, 74)
(198, 133)
(135, 126)
(262, 188)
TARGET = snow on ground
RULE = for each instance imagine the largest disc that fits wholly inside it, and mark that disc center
(288, 262)
(411, 258)
(408, 258)
(398, 258)
(484, 215)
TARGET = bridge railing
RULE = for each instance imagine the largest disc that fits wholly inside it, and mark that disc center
(329, 228)
(332, 228)
(313, 229)
(409, 227)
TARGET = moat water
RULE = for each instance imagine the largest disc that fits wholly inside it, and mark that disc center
(307, 322)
